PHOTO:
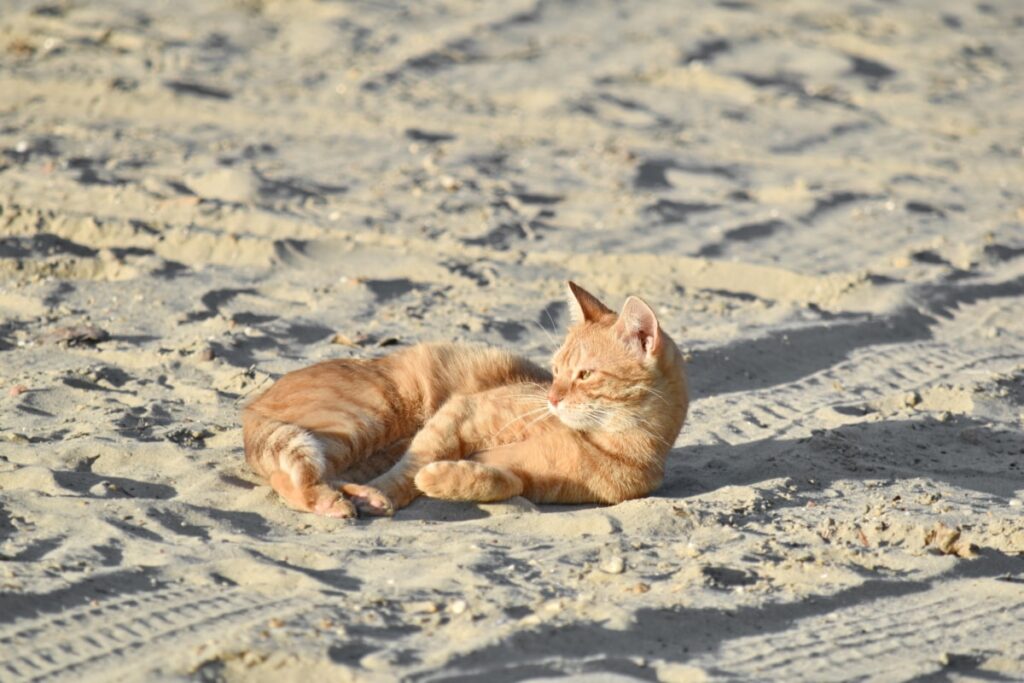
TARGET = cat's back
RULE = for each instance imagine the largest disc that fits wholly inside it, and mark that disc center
(326, 382)
(475, 367)
(420, 377)
(432, 373)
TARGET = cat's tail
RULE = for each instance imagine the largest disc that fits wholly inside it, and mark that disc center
(294, 462)
(466, 480)
(272, 446)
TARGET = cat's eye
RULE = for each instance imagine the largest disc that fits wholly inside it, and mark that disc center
(583, 374)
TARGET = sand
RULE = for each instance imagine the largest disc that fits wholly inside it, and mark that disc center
(824, 202)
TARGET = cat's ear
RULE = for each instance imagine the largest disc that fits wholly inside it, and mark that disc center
(584, 306)
(638, 327)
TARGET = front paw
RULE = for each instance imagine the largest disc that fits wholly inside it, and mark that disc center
(432, 478)
(397, 489)
(368, 500)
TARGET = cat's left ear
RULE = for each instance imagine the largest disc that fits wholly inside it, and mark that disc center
(584, 306)
(638, 327)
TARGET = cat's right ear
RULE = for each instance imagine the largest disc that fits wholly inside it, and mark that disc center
(584, 306)
(638, 328)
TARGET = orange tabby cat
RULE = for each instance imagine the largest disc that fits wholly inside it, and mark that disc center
(469, 423)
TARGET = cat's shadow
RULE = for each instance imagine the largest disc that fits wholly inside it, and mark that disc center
(425, 509)
(434, 510)
(961, 451)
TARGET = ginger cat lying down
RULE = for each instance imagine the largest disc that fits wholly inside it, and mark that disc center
(477, 424)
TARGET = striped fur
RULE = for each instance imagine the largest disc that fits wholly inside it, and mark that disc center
(333, 426)
(470, 423)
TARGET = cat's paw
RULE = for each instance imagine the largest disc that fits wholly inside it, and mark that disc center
(333, 505)
(368, 500)
(465, 480)
(435, 479)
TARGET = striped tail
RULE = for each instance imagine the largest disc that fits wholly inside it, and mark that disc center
(295, 463)
(272, 446)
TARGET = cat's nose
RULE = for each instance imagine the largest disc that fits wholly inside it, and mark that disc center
(554, 398)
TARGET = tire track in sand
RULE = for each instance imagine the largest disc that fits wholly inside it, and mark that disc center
(64, 644)
(870, 641)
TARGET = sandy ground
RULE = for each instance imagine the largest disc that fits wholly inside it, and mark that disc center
(824, 200)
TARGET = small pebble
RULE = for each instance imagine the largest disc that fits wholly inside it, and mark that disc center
(458, 607)
(376, 661)
(14, 437)
(251, 659)
(17, 390)
(77, 334)
(103, 489)
(449, 183)
(206, 354)
(613, 565)
(343, 339)
(423, 607)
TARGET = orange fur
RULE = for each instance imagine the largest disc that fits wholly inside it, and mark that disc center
(471, 423)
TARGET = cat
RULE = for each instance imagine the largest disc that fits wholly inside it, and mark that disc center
(469, 423)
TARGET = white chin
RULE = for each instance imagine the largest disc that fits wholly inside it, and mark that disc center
(574, 423)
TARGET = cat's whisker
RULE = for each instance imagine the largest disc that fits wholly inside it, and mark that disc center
(648, 429)
(554, 325)
(529, 413)
(597, 413)
(543, 329)
(534, 405)
(658, 395)
(528, 400)
(538, 397)
(536, 420)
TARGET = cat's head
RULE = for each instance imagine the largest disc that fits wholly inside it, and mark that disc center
(615, 372)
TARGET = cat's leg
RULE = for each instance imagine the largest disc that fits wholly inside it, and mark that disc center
(552, 469)
(301, 477)
(379, 462)
(467, 480)
(369, 500)
(440, 438)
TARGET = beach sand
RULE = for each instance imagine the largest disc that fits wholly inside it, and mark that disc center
(822, 200)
